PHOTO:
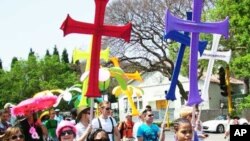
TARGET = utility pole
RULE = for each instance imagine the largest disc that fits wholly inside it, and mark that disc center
(229, 97)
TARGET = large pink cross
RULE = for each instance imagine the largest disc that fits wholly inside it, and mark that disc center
(98, 29)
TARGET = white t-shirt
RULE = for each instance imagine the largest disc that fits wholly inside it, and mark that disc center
(106, 125)
(80, 129)
(135, 129)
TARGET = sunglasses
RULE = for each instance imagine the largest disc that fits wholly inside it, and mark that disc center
(151, 115)
(107, 108)
(16, 137)
(68, 132)
(101, 139)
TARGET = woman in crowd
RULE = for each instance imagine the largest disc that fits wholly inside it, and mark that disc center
(12, 134)
(32, 128)
(83, 126)
(66, 131)
(98, 135)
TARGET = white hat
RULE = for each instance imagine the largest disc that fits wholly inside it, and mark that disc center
(57, 110)
(8, 105)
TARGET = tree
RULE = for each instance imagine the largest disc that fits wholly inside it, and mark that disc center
(47, 53)
(146, 49)
(65, 57)
(1, 65)
(239, 41)
(28, 77)
(31, 53)
(240, 67)
(13, 62)
(56, 54)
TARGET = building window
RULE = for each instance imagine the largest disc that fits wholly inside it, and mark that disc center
(138, 102)
(125, 103)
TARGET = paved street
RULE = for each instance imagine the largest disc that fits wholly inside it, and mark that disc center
(212, 137)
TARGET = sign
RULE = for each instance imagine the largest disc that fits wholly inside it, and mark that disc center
(239, 132)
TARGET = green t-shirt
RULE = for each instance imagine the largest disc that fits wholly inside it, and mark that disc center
(51, 125)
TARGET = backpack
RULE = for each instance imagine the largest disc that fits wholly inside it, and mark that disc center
(125, 127)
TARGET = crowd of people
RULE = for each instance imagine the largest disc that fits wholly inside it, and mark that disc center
(51, 126)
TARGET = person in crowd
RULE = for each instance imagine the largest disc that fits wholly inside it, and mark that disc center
(4, 123)
(183, 130)
(12, 134)
(234, 122)
(44, 117)
(32, 128)
(66, 131)
(105, 122)
(83, 126)
(138, 123)
(58, 117)
(148, 108)
(98, 135)
(149, 131)
(126, 128)
(111, 113)
(12, 118)
(186, 112)
(51, 125)
(199, 128)
(73, 114)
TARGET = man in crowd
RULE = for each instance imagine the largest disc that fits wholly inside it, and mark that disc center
(4, 122)
(105, 122)
(149, 131)
(126, 128)
(12, 118)
(58, 117)
(51, 125)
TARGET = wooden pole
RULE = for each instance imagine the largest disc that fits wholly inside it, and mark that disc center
(229, 97)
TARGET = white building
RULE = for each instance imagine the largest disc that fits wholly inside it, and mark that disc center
(155, 84)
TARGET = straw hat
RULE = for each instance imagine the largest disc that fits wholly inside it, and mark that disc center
(81, 108)
(63, 124)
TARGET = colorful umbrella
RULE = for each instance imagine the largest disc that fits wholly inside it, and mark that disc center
(34, 104)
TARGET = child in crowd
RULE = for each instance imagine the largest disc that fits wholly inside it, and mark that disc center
(183, 130)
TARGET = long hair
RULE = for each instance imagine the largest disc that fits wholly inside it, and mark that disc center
(10, 132)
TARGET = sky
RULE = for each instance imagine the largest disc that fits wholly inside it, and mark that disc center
(35, 24)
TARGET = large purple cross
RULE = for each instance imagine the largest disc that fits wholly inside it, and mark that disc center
(195, 27)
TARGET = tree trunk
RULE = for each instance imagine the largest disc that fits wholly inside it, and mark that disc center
(246, 84)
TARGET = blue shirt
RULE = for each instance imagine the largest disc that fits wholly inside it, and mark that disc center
(148, 132)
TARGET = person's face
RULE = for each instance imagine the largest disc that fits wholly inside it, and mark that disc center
(86, 115)
(100, 136)
(67, 134)
(235, 121)
(149, 117)
(105, 109)
(185, 132)
(189, 117)
(5, 117)
(8, 109)
(52, 114)
(129, 118)
(17, 137)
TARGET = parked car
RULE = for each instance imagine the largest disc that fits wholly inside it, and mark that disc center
(219, 124)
